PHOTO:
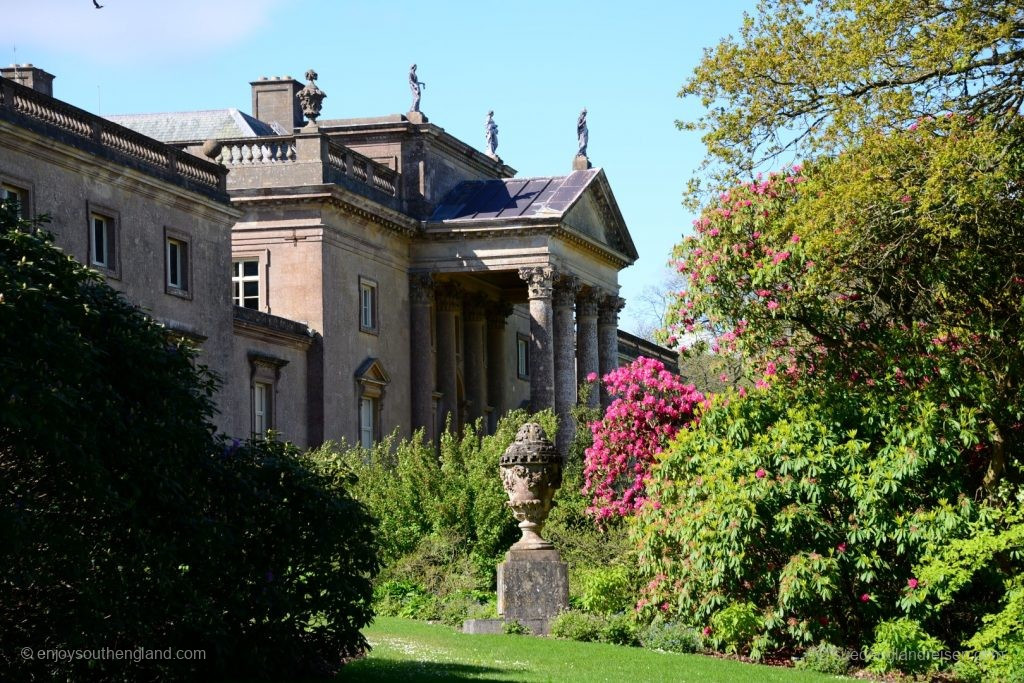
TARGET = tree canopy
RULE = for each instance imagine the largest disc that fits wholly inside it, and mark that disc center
(803, 78)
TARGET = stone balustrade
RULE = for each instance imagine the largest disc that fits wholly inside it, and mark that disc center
(79, 128)
(348, 163)
(250, 151)
(339, 164)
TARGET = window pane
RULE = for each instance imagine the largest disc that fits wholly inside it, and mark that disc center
(366, 409)
(250, 268)
(176, 264)
(236, 268)
(99, 241)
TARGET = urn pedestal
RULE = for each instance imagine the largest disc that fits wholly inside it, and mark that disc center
(533, 582)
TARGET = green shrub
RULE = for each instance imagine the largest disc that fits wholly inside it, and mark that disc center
(606, 590)
(735, 626)
(620, 629)
(902, 645)
(576, 625)
(512, 627)
(825, 658)
(672, 637)
(127, 523)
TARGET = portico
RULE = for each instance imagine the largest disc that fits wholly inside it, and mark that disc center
(540, 255)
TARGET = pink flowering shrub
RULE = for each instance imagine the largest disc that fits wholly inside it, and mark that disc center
(650, 405)
(879, 298)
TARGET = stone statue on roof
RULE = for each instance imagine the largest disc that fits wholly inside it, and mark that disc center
(491, 135)
(582, 134)
(416, 86)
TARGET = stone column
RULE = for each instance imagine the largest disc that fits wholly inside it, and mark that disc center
(586, 341)
(474, 311)
(421, 297)
(564, 300)
(542, 359)
(448, 298)
(608, 337)
(497, 313)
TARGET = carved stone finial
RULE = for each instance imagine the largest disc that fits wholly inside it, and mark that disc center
(491, 136)
(531, 472)
(311, 97)
(539, 280)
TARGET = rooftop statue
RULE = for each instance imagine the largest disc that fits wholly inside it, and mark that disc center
(416, 86)
(582, 133)
(491, 134)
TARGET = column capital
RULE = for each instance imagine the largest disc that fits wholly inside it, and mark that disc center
(474, 307)
(498, 312)
(565, 288)
(421, 289)
(448, 296)
(539, 281)
(608, 309)
(588, 301)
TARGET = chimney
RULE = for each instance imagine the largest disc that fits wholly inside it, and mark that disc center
(30, 77)
(274, 101)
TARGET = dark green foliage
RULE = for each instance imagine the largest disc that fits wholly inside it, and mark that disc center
(672, 637)
(825, 658)
(125, 523)
(620, 629)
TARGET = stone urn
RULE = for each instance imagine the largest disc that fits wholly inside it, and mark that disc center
(531, 472)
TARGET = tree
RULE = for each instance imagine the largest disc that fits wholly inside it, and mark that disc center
(900, 262)
(805, 78)
(126, 523)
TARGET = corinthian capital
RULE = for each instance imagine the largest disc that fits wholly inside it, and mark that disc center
(539, 281)
(565, 290)
(421, 289)
(587, 302)
(608, 310)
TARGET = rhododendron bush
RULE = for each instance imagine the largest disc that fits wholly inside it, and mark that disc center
(650, 405)
(878, 296)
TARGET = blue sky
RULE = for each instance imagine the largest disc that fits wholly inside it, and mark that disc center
(536, 64)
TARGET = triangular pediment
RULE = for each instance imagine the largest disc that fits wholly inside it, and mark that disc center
(595, 214)
(371, 371)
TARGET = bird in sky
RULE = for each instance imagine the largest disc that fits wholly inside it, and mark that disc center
(97, 5)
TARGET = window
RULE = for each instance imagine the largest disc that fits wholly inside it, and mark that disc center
(262, 397)
(367, 305)
(101, 241)
(371, 381)
(367, 421)
(10, 193)
(177, 264)
(523, 356)
(102, 225)
(245, 281)
(264, 381)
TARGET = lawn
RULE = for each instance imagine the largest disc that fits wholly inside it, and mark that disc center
(409, 651)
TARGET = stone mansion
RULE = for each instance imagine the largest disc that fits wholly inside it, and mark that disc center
(343, 277)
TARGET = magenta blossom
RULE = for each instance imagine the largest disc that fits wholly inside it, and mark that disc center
(912, 583)
(760, 474)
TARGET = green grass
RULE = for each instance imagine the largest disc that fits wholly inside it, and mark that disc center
(409, 651)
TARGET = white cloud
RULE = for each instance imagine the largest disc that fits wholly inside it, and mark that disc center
(143, 31)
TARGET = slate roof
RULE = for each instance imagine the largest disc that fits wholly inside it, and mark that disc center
(513, 197)
(185, 126)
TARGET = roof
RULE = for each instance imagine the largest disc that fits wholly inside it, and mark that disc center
(184, 126)
(513, 197)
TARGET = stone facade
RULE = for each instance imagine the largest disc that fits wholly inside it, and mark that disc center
(386, 275)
